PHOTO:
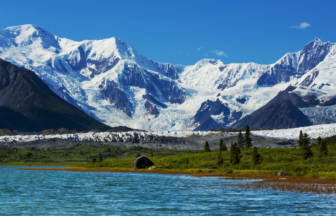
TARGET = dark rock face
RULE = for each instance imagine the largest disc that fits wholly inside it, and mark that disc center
(132, 76)
(167, 69)
(312, 54)
(309, 79)
(102, 65)
(151, 109)
(241, 100)
(169, 90)
(330, 102)
(26, 98)
(153, 100)
(229, 81)
(78, 64)
(116, 96)
(280, 72)
(141, 163)
(135, 76)
(209, 108)
(278, 113)
(299, 102)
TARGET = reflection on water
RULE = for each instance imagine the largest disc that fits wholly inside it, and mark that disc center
(104, 193)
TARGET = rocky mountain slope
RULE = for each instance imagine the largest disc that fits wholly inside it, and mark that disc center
(27, 104)
(112, 82)
(281, 112)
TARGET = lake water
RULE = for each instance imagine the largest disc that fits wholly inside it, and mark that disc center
(32, 192)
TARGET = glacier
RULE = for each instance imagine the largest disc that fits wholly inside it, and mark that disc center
(112, 82)
(315, 131)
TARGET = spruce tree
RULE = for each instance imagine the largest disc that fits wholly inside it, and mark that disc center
(240, 140)
(234, 154)
(247, 138)
(222, 145)
(256, 156)
(207, 147)
(300, 139)
(321, 145)
(305, 148)
(93, 160)
(100, 158)
(219, 158)
(151, 153)
(318, 143)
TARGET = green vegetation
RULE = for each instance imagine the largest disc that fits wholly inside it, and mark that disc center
(247, 138)
(289, 160)
(308, 160)
(207, 147)
(80, 153)
(219, 156)
(256, 158)
(222, 145)
(240, 140)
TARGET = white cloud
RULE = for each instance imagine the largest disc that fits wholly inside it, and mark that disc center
(200, 48)
(301, 26)
(220, 53)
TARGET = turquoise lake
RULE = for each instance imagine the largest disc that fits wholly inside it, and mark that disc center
(30, 192)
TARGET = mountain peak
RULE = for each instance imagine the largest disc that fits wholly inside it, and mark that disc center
(26, 35)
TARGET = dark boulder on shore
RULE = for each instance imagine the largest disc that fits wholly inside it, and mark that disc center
(141, 163)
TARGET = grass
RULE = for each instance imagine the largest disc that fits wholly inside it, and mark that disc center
(80, 153)
(274, 160)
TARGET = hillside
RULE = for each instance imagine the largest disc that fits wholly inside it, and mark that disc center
(27, 104)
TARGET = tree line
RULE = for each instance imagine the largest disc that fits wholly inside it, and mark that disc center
(245, 141)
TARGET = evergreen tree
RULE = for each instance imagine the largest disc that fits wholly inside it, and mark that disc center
(300, 139)
(247, 138)
(240, 140)
(219, 158)
(222, 145)
(151, 153)
(93, 160)
(256, 156)
(321, 145)
(100, 158)
(207, 147)
(234, 154)
(305, 148)
(318, 143)
(324, 148)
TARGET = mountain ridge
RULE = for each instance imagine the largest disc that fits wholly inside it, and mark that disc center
(108, 79)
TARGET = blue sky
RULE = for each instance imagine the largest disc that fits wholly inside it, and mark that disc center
(183, 31)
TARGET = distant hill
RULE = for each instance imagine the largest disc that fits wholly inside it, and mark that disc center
(280, 112)
(28, 104)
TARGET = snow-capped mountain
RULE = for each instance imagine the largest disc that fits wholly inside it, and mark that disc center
(109, 80)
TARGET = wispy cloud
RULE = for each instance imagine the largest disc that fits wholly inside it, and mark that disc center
(220, 53)
(301, 26)
(200, 48)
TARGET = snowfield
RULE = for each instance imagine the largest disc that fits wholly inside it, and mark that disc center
(314, 132)
(324, 130)
(104, 136)
(108, 79)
